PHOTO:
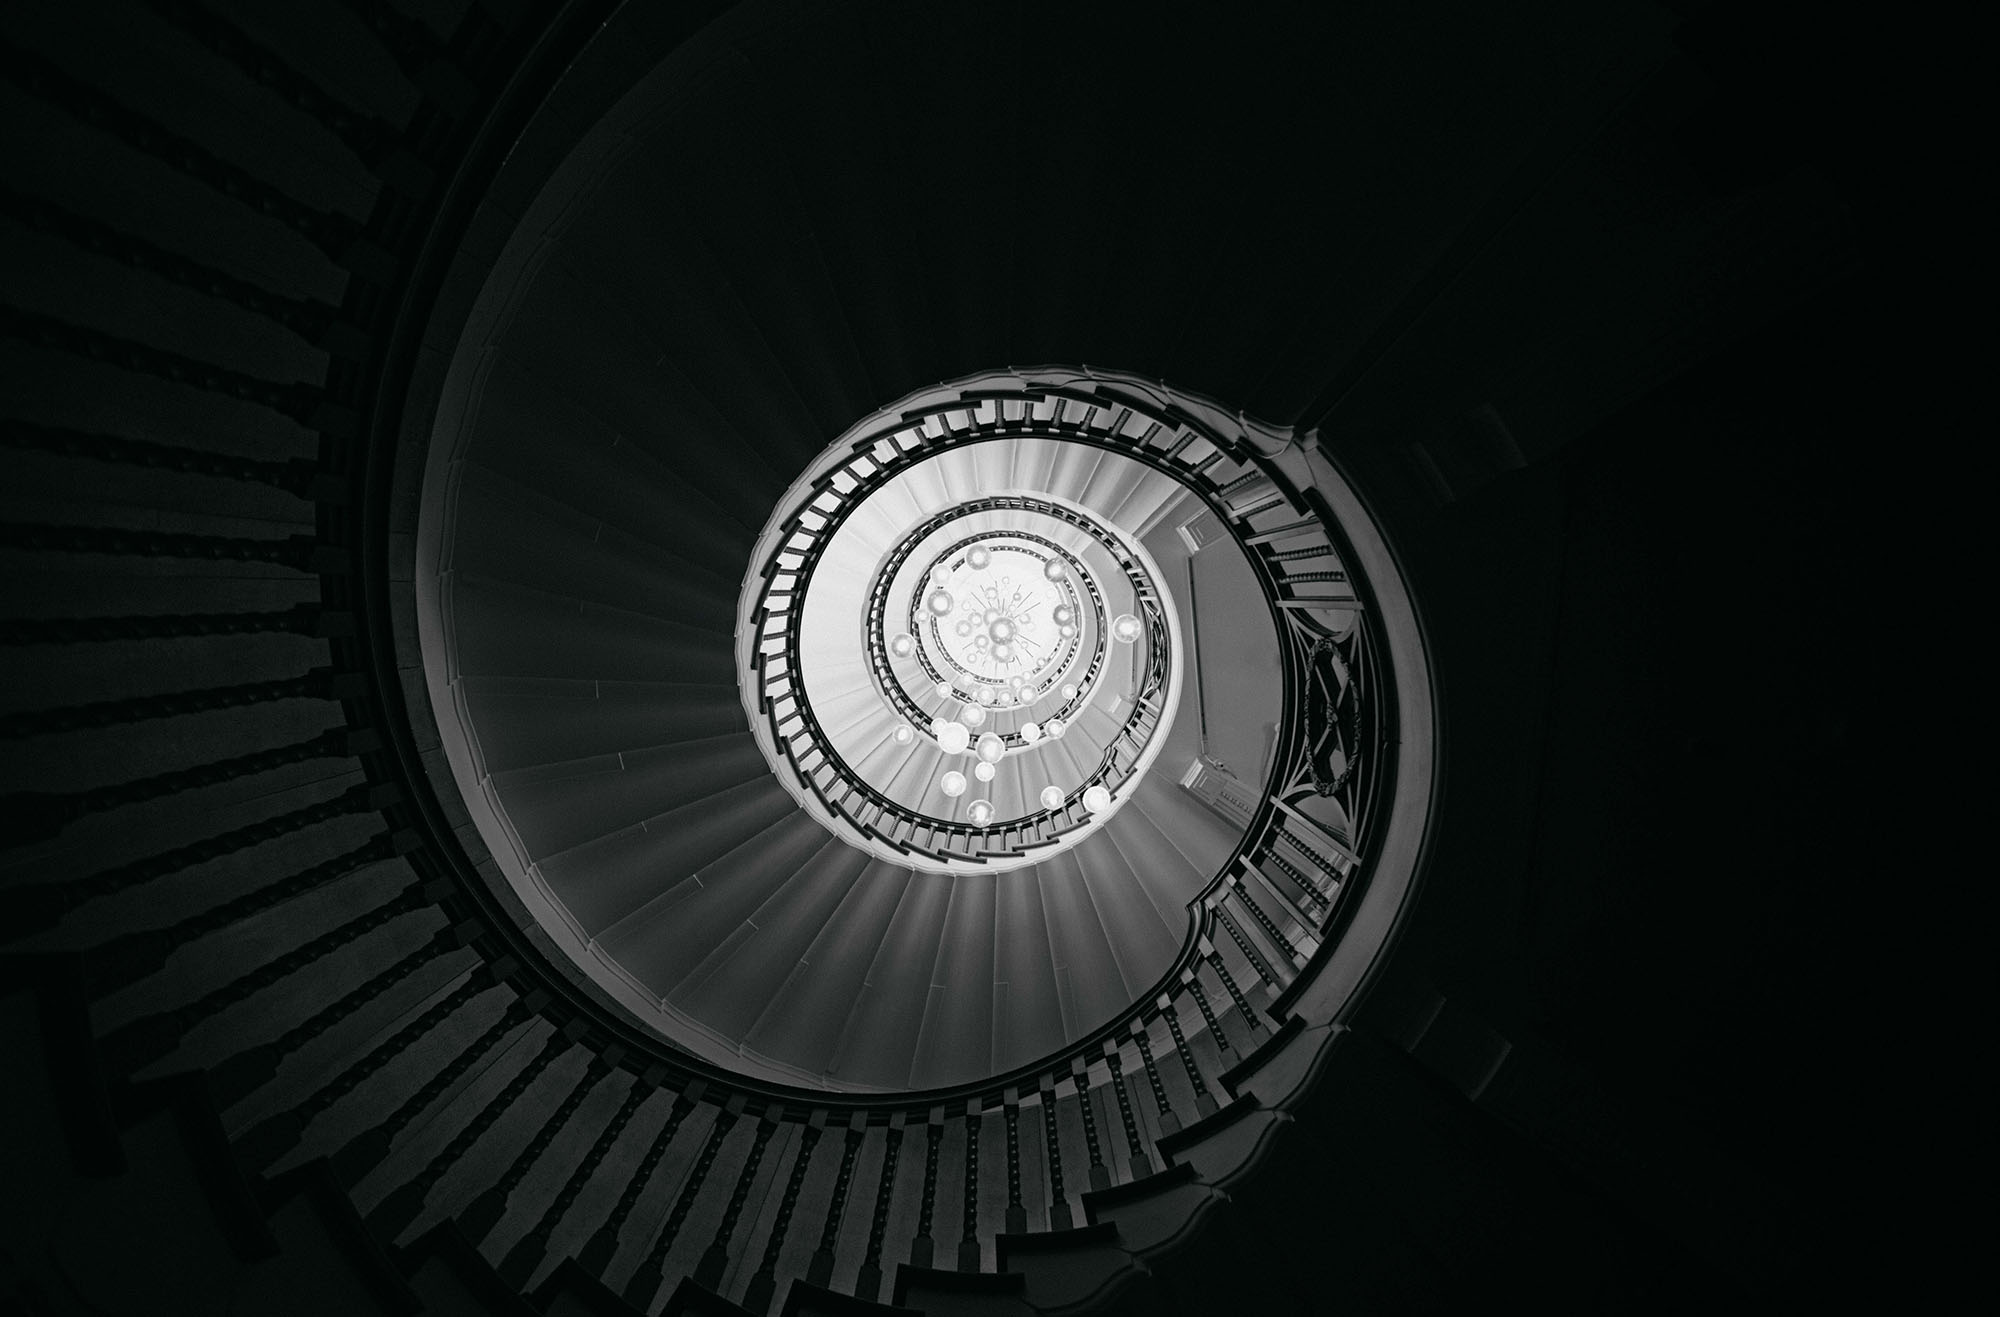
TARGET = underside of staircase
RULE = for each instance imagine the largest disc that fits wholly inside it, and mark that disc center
(1564, 291)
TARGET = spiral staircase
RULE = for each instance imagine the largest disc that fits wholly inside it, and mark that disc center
(427, 890)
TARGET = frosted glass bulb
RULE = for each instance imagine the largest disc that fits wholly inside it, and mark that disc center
(952, 784)
(972, 715)
(1062, 615)
(940, 602)
(953, 738)
(984, 771)
(1066, 630)
(980, 812)
(1126, 628)
(943, 689)
(1054, 569)
(1096, 799)
(964, 628)
(1068, 691)
(1017, 681)
(1002, 629)
(1052, 797)
(903, 645)
(903, 734)
(1055, 727)
(978, 557)
(1030, 733)
(940, 574)
(991, 747)
(1003, 652)
(984, 695)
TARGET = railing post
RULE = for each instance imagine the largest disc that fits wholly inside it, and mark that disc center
(1099, 1173)
(763, 1283)
(922, 1248)
(820, 1270)
(1204, 1105)
(1059, 1213)
(868, 1283)
(1140, 1164)
(645, 1283)
(595, 1257)
(968, 1243)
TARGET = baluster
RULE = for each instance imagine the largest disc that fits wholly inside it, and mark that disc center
(302, 553)
(334, 234)
(1242, 941)
(250, 1070)
(1017, 1211)
(41, 905)
(317, 323)
(307, 404)
(393, 1215)
(764, 1282)
(1204, 1105)
(1310, 551)
(820, 1269)
(968, 1240)
(1140, 1164)
(368, 1149)
(1169, 1122)
(278, 1134)
(595, 1258)
(1059, 1213)
(1208, 1017)
(302, 619)
(868, 1284)
(317, 684)
(1099, 1173)
(369, 138)
(44, 814)
(1305, 885)
(144, 1040)
(126, 960)
(646, 1281)
(407, 41)
(1264, 921)
(296, 476)
(1251, 1019)
(487, 1210)
(519, 1264)
(921, 1248)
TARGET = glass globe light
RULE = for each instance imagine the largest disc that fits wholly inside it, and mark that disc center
(991, 747)
(903, 734)
(984, 771)
(1001, 699)
(964, 628)
(952, 783)
(940, 574)
(978, 557)
(1062, 615)
(940, 601)
(943, 689)
(1068, 691)
(1052, 797)
(1003, 651)
(1055, 569)
(903, 645)
(1002, 629)
(1017, 681)
(980, 812)
(972, 715)
(1096, 799)
(984, 695)
(953, 738)
(1126, 628)
(1055, 727)
(1030, 733)
(1066, 629)
(990, 616)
